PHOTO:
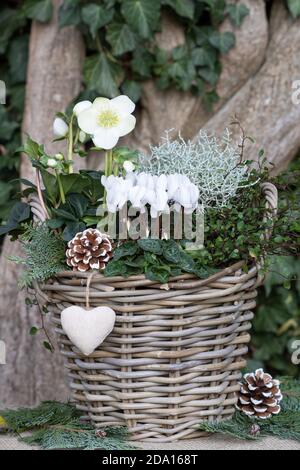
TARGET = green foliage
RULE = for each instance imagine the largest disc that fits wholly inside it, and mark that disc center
(276, 324)
(122, 49)
(286, 425)
(40, 243)
(294, 7)
(157, 259)
(54, 425)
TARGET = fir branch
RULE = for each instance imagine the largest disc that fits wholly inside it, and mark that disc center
(44, 254)
(55, 425)
(285, 425)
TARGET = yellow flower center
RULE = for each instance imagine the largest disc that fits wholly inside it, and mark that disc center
(108, 118)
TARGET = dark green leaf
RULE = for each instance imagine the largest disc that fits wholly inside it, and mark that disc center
(103, 75)
(39, 10)
(222, 41)
(53, 224)
(158, 273)
(33, 330)
(171, 251)
(77, 204)
(69, 13)
(294, 7)
(128, 248)
(238, 12)
(183, 8)
(204, 56)
(150, 245)
(74, 183)
(142, 15)
(18, 57)
(19, 213)
(121, 38)
(51, 186)
(47, 345)
(96, 16)
(142, 62)
(72, 229)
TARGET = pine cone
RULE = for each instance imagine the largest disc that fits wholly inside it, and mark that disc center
(259, 395)
(89, 250)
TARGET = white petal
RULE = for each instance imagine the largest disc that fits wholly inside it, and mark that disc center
(87, 120)
(126, 125)
(128, 166)
(123, 104)
(81, 106)
(101, 103)
(105, 138)
(60, 127)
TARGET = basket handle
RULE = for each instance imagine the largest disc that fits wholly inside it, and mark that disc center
(271, 196)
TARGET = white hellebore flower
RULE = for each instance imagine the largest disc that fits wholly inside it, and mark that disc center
(81, 106)
(60, 127)
(107, 120)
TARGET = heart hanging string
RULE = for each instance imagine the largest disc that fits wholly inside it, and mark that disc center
(87, 290)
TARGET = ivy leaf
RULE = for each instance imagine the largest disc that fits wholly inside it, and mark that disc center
(17, 59)
(216, 9)
(222, 41)
(121, 38)
(19, 213)
(142, 62)
(204, 56)
(237, 13)
(142, 15)
(132, 89)
(103, 75)
(95, 16)
(294, 7)
(182, 8)
(69, 13)
(39, 10)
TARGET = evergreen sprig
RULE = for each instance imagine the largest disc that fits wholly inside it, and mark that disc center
(286, 425)
(44, 254)
(54, 425)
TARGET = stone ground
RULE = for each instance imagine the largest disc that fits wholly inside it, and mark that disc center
(216, 442)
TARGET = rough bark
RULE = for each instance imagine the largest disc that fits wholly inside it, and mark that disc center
(171, 109)
(264, 104)
(54, 76)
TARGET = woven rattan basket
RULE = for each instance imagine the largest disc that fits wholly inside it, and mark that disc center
(174, 357)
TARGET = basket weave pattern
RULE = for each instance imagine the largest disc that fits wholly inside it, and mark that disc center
(175, 354)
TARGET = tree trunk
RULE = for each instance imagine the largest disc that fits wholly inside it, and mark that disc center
(54, 77)
(255, 84)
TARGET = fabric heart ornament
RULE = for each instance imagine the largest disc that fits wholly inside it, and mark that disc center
(87, 329)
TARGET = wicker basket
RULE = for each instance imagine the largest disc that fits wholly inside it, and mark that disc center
(175, 354)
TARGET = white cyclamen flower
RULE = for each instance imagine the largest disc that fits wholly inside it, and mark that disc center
(107, 120)
(60, 127)
(128, 166)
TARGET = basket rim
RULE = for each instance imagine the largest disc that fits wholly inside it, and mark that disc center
(97, 276)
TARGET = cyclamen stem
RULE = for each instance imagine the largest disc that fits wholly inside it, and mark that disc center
(61, 189)
(108, 168)
(70, 147)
